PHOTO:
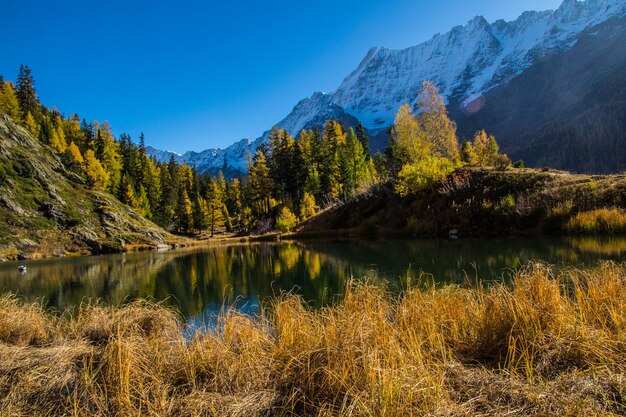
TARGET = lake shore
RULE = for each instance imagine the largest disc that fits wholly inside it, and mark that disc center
(544, 345)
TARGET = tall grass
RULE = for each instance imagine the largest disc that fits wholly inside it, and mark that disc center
(611, 220)
(545, 345)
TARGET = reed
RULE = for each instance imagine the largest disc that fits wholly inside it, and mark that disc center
(547, 344)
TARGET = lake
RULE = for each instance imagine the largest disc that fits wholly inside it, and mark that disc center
(198, 281)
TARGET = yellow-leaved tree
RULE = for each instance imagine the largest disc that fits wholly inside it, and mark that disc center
(426, 146)
(97, 177)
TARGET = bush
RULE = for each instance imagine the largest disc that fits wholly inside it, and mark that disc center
(286, 220)
(423, 174)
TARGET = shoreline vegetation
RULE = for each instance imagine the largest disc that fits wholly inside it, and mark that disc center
(68, 186)
(547, 343)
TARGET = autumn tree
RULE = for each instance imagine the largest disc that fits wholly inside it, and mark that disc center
(439, 129)
(97, 176)
(9, 103)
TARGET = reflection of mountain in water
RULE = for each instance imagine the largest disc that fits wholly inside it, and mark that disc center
(203, 279)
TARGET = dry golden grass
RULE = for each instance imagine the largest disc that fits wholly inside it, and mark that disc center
(611, 220)
(546, 345)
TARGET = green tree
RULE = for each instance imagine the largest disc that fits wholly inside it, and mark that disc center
(184, 213)
(364, 140)
(468, 154)
(260, 183)
(26, 93)
(215, 207)
(143, 203)
(308, 206)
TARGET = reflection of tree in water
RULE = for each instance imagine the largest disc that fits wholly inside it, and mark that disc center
(203, 279)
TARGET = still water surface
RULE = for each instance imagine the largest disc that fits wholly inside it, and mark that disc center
(199, 281)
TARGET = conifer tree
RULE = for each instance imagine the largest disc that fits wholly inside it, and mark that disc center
(72, 157)
(26, 94)
(184, 213)
(9, 104)
(260, 183)
(468, 153)
(143, 203)
(126, 192)
(481, 147)
(364, 140)
(97, 177)
(31, 125)
(215, 207)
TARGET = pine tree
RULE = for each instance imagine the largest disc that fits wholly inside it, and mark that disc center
(200, 214)
(184, 213)
(26, 94)
(168, 198)
(215, 207)
(143, 203)
(107, 152)
(260, 183)
(126, 192)
(364, 140)
(468, 154)
(493, 150)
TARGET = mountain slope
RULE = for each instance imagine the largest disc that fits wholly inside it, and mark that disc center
(46, 210)
(567, 111)
(467, 64)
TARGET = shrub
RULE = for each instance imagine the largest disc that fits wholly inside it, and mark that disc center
(286, 220)
(423, 174)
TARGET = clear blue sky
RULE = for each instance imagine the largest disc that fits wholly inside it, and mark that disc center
(200, 74)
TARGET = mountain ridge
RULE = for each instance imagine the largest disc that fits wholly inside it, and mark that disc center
(465, 63)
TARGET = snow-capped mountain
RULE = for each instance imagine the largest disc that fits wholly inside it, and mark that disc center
(464, 63)
(231, 160)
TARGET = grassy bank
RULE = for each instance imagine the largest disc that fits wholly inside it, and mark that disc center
(549, 345)
(485, 201)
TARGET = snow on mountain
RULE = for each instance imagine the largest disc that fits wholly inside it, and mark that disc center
(230, 160)
(464, 63)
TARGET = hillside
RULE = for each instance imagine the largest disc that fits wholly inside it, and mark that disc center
(46, 210)
(482, 201)
(568, 111)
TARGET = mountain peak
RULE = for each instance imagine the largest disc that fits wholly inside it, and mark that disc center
(464, 63)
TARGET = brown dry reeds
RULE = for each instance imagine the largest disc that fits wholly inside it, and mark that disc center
(547, 344)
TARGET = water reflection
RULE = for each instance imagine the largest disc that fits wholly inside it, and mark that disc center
(200, 280)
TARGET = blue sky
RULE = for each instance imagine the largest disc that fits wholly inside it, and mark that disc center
(198, 74)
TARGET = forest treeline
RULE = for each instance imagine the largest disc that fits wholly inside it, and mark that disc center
(288, 180)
